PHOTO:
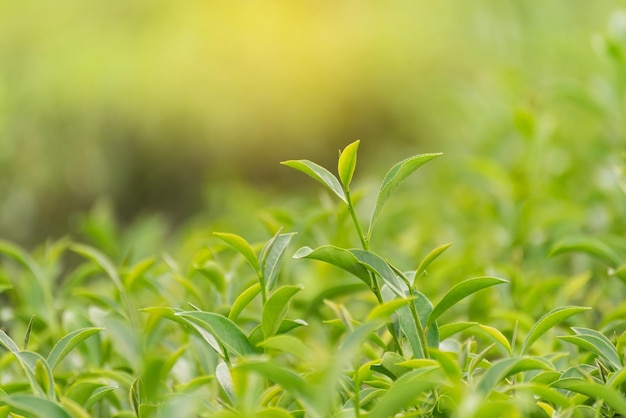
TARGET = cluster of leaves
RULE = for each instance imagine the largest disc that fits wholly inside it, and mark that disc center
(341, 332)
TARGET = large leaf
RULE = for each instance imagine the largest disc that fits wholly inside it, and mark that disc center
(589, 246)
(377, 265)
(347, 164)
(504, 368)
(34, 407)
(222, 328)
(318, 173)
(609, 395)
(66, 344)
(396, 175)
(272, 256)
(275, 309)
(242, 246)
(338, 257)
(595, 342)
(548, 321)
(461, 291)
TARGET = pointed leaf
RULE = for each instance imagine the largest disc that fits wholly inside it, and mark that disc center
(394, 177)
(497, 337)
(102, 261)
(589, 246)
(448, 330)
(347, 163)
(222, 328)
(33, 406)
(405, 392)
(504, 368)
(66, 344)
(381, 267)
(461, 291)
(548, 321)
(318, 173)
(385, 310)
(275, 309)
(242, 246)
(609, 395)
(272, 258)
(224, 378)
(595, 342)
(244, 300)
(430, 257)
(287, 344)
(338, 257)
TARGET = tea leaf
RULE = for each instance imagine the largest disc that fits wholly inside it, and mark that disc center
(66, 344)
(376, 264)
(595, 342)
(319, 174)
(33, 406)
(243, 300)
(388, 308)
(461, 291)
(593, 390)
(102, 261)
(589, 246)
(272, 256)
(347, 163)
(287, 344)
(275, 309)
(403, 393)
(220, 327)
(504, 368)
(497, 336)
(548, 321)
(430, 257)
(242, 246)
(338, 257)
(448, 330)
(224, 378)
(396, 175)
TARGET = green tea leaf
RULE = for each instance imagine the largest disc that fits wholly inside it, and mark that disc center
(388, 308)
(319, 174)
(66, 344)
(272, 256)
(347, 164)
(377, 265)
(504, 368)
(212, 271)
(224, 378)
(243, 300)
(102, 261)
(430, 257)
(497, 336)
(595, 342)
(548, 321)
(8, 343)
(32, 406)
(138, 271)
(338, 257)
(404, 392)
(544, 392)
(609, 395)
(287, 344)
(222, 328)
(275, 309)
(396, 175)
(461, 291)
(242, 246)
(448, 330)
(589, 246)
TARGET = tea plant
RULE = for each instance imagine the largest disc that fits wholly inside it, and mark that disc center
(235, 328)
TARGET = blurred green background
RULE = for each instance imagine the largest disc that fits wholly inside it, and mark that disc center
(185, 108)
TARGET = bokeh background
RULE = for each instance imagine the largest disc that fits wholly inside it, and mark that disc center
(185, 109)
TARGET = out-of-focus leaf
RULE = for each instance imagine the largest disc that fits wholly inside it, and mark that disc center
(224, 378)
(595, 342)
(243, 300)
(66, 344)
(404, 392)
(593, 247)
(275, 309)
(548, 321)
(612, 397)
(504, 368)
(34, 407)
(319, 174)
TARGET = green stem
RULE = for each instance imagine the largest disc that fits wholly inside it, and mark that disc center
(357, 224)
(421, 333)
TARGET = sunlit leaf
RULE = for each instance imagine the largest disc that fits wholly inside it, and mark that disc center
(275, 309)
(66, 344)
(548, 321)
(242, 246)
(338, 257)
(347, 163)
(430, 257)
(319, 174)
(504, 368)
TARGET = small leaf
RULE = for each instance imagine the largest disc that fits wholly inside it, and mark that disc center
(338, 257)
(224, 378)
(461, 291)
(243, 300)
(548, 321)
(609, 395)
(404, 392)
(318, 173)
(347, 164)
(504, 368)
(272, 256)
(102, 261)
(589, 246)
(392, 180)
(287, 344)
(212, 271)
(8, 343)
(430, 257)
(595, 342)
(66, 344)
(222, 328)
(497, 336)
(275, 309)
(242, 246)
(388, 308)
(138, 271)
